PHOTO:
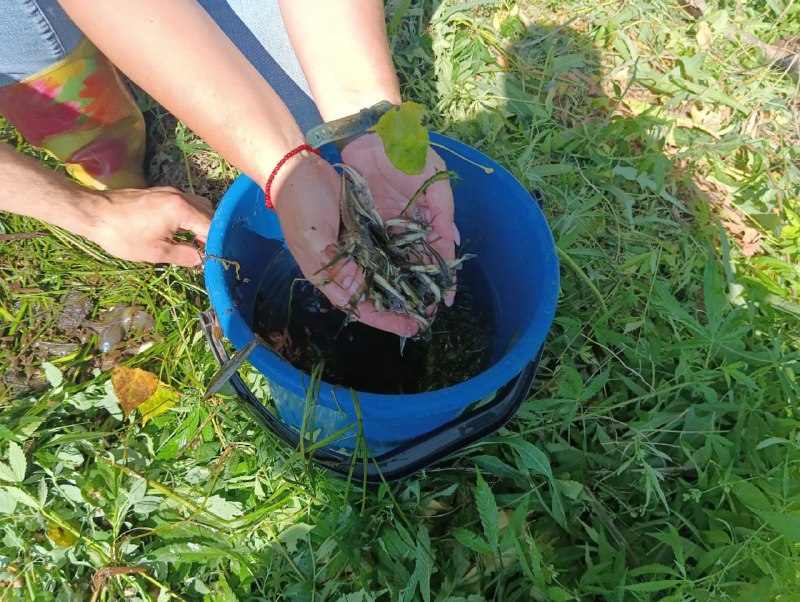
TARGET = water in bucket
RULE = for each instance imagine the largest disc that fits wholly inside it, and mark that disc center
(301, 325)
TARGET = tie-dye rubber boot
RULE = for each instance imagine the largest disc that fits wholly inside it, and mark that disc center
(80, 111)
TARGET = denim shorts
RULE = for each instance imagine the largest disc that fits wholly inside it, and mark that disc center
(35, 34)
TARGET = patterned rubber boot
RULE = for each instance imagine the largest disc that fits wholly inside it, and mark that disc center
(80, 111)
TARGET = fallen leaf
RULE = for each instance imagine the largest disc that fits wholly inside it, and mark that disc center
(60, 536)
(158, 403)
(133, 386)
(704, 36)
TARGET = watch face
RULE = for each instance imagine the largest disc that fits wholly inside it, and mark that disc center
(347, 128)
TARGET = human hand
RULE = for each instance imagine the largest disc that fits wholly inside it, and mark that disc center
(392, 189)
(306, 195)
(139, 224)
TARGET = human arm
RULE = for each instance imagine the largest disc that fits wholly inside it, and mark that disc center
(200, 76)
(345, 55)
(132, 224)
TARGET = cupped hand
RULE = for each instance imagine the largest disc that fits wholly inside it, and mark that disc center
(392, 189)
(306, 198)
(140, 224)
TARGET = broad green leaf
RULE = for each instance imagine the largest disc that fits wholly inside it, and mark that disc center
(180, 437)
(424, 566)
(222, 591)
(8, 503)
(224, 509)
(17, 462)
(473, 542)
(751, 495)
(52, 374)
(6, 474)
(770, 441)
(192, 552)
(558, 594)
(629, 173)
(487, 511)
(495, 466)
(785, 524)
(21, 496)
(407, 593)
(565, 62)
(571, 489)
(297, 532)
(72, 493)
(714, 297)
(135, 494)
(7, 434)
(653, 569)
(532, 457)
(557, 506)
(148, 504)
(405, 138)
(653, 484)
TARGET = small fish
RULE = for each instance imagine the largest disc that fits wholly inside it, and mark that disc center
(408, 238)
(229, 368)
(424, 323)
(381, 282)
(457, 262)
(58, 349)
(410, 293)
(110, 338)
(432, 287)
(404, 273)
(407, 224)
(422, 268)
(141, 321)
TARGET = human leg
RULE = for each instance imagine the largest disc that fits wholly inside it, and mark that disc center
(65, 97)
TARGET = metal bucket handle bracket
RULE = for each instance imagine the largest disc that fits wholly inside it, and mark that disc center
(405, 459)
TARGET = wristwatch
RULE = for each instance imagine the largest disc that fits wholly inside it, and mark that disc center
(346, 129)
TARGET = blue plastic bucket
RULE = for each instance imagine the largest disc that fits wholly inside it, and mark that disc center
(505, 229)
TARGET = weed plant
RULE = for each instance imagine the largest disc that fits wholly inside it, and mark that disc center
(656, 458)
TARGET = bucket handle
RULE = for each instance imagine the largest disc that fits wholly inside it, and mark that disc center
(407, 458)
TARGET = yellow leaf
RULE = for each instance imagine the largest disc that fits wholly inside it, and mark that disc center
(136, 388)
(704, 36)
(60, 536)
(404, 136)
(133, 386)
(158, 403)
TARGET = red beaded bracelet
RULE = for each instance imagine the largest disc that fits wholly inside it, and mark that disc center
(286, 157)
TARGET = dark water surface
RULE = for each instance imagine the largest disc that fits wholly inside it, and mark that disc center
(461, 344)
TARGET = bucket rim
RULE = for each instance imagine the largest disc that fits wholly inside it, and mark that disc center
(382, 405)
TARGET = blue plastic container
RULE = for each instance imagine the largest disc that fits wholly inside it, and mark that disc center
(505, 228)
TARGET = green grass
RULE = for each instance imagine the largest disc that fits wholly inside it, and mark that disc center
(658, 456)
